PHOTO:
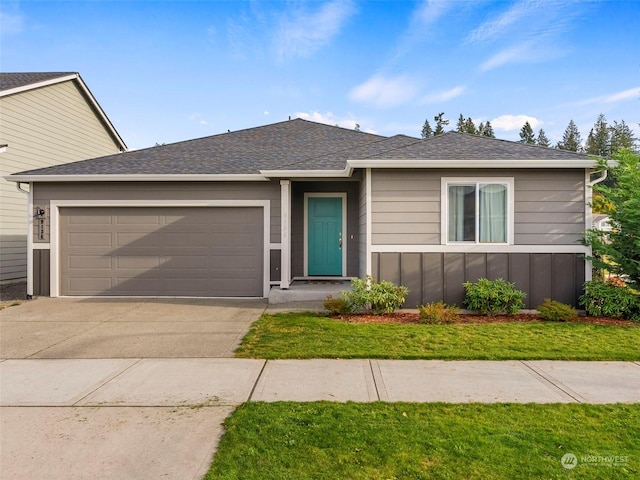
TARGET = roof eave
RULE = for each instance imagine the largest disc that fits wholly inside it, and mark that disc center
(344, 173)
(497, 163)
(137, 178)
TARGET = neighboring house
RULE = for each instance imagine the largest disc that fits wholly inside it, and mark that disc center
(601, 222)
(45, 119)
(237, 213)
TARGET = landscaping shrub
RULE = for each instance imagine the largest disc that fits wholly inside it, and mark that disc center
(437, 313)
(491, 297)
(378, 297)
(337, 306)
(607, 300)
(555, 311)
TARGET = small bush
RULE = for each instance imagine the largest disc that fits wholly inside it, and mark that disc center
(606, 300)
(554, 311)
(336, 306)
(491, 297)
(378, 297)
(438, 313)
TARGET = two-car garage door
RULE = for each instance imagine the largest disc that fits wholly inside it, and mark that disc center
(162, 251)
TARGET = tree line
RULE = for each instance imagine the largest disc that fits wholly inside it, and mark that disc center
(603, 140)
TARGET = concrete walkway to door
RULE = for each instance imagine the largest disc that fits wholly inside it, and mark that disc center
(126, 327)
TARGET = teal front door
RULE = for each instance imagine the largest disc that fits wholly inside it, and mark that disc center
(324, 236)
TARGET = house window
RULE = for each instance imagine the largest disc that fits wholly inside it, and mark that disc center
(477, 211)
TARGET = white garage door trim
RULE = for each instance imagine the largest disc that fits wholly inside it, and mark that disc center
(55, 206)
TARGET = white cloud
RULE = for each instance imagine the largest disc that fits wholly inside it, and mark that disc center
(516, 54)
(385, 92)
(430, 11)
(445, 95)
(514, 122)
(302, 33)
(630, 94)
(493, 29)
(266, 112)
(329, 118)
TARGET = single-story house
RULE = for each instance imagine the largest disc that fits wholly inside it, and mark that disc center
(238, 213)
(47, 118)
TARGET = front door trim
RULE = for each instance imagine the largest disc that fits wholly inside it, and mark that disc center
(341, 195)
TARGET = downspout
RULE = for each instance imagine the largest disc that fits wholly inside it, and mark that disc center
(599, 179)
(589, 216)
(21, 189)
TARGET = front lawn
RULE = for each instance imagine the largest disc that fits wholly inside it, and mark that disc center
(308, 335)
(323, 440)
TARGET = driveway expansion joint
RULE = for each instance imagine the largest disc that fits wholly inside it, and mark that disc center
(105, 382)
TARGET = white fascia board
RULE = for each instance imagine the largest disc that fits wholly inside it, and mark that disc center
(101, 113)
(345, 173)
(33, 86)
(138, 178)
(472, 163)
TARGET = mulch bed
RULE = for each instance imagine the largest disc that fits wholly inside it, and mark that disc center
(468, 319)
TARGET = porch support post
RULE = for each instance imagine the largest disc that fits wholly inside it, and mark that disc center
(285, 234)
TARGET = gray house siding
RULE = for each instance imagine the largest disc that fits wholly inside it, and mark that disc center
(431, 277)
(44, 193)
(549, 211)
(298, 189)
(549, 205)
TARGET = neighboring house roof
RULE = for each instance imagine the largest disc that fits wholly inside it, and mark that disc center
(16, 82)
(310, 149)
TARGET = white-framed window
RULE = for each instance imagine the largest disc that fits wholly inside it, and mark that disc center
(477, 210)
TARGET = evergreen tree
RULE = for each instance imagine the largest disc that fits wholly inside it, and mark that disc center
(599, 139)
(542, 139)
(617, 250)
(470, 127)
(460, 126)
(527, 135)
(570, 139)
(486, 130)
(426, 130)
(621, 137)
(440, 123)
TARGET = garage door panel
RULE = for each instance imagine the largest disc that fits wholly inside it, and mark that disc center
(204, 251)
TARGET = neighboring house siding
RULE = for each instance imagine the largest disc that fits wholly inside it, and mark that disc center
(549, 205)
(41, 127)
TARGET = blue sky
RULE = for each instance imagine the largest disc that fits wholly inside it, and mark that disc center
(166, 71)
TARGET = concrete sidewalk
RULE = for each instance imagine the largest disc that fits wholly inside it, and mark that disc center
(162, 418)
(230, 381)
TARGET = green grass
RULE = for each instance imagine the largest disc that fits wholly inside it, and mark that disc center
(324, 440)
(307, 335)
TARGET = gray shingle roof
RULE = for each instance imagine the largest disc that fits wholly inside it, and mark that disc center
(298, 145)
(10, 81)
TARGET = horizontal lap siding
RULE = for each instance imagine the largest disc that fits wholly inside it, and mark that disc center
(405, 207)
(548, 205)
(431, 277)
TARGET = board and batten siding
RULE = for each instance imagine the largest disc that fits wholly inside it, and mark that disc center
(549, 205)
(46, 126)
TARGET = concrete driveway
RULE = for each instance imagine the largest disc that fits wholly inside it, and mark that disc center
(126, 328)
